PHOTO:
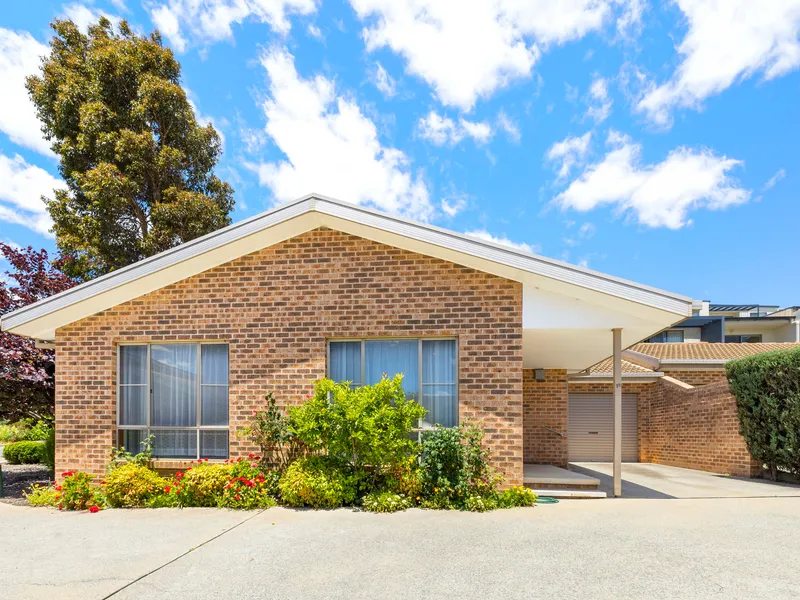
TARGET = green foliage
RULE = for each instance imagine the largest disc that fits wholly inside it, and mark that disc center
(42, 495)
(24, 453)
(386, 502)
(132, 485)
(480, 503)
(25, 430)
(454, 466)
(366, 426)
(516, 496)
(767, 391)
(138, 167)
(269, 430)
(10, 432)
(38, 431)
(319, 482)
(120, 456)
(202, 484)
(77, 492)
(49, 451)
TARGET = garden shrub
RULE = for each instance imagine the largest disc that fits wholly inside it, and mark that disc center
(250, 485)
(201, 484)
(132, 485)
(319, 482)
(121, 456)
(767, 391)
(24, 453)
(42, 495)
(49, 451)
(454, 466)
(77, 492)
(386, 502)
(516, 496)
(270, 431)
(366, 426)
(481, 503)
(38, 431)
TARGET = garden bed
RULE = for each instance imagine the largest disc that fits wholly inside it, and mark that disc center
(18, 478)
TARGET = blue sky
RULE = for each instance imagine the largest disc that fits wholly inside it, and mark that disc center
(652, 141)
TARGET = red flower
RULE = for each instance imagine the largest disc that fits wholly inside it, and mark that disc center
(58, 488)
(94, 509)
(178, 475)
(251, 455)
(258, 458)
(167, 489)
(206, 460)
(68, 473)
(238, 497)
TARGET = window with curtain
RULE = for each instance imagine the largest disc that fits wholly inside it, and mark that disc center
(429, 368)
(179, 394)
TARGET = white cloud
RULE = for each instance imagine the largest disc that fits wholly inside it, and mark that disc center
(569, 152)
(19, 57)
(441, 130)
(83, 16)
(468, 50)
(21, 193)
(383, 81)
(599, 100)
(314, 31)
(502, 240)
(452, 206)
(211, 20)
(661, 194)
(726, 42)
(331, 147)
(505, 123)
(781, 173)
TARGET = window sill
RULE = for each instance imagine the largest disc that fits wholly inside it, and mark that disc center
(179, 464)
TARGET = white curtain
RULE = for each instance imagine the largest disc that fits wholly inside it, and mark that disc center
(214, 385)
(173, 371)
(390, 357)
(133, 386)
(439, 385)
(346, 362)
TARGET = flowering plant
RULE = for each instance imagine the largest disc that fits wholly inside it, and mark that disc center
(76, 492)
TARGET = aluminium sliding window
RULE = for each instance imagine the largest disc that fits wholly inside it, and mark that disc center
(429, 368)
(178, 393)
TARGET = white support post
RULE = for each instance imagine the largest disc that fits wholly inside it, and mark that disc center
(617, 335)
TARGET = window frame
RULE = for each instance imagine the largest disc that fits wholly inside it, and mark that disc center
(148, 385)
(420, 384)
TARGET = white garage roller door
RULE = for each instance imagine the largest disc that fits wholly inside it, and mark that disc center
(591, 428)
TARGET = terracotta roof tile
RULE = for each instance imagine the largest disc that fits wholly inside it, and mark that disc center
(708, 351)
(606, 366)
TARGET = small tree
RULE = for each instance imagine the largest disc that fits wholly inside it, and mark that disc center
(27, 372)
(269, 429)
(767, 391)
(138, 167)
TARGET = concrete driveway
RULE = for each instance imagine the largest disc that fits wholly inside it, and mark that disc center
(645, 480)
(704, 548)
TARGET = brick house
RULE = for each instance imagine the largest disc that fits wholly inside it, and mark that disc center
(186, 344)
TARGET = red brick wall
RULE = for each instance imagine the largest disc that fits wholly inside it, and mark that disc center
(696, 428)
(276, 308)
(697, 377)
(545, 403)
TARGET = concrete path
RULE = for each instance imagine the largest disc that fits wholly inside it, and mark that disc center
(646, 480)
(734, 548)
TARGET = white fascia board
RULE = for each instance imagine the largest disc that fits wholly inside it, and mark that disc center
(243, 238)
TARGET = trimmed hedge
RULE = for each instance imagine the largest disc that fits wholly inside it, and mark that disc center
(24, 453)
(767, 391)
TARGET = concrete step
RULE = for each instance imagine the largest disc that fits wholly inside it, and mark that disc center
(550, 477)
(565, 494)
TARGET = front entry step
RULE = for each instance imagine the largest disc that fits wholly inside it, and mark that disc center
(555, 482)
(570, 494)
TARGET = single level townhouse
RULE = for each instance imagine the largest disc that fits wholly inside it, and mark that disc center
(185, 344)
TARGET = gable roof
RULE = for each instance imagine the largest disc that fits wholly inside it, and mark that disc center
(704, 351)
(42, 318)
